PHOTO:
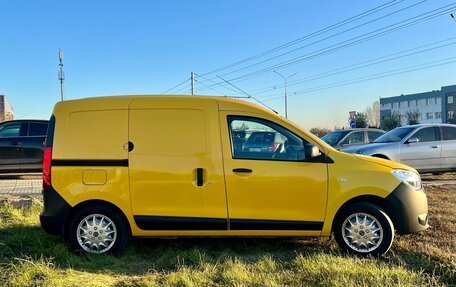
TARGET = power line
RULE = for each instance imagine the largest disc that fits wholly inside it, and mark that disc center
(213, 89)
(249, 96)
(187, 87)
(361, 65)
(324, 39)
(176, 86)
(229, 88)
(373, 77)
(353, 41)
(348, 43)
(311, 35)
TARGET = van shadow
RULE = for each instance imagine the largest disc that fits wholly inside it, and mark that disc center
(142, 255)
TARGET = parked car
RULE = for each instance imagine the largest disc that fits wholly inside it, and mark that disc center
(263, 142)
(425, 147)
(151, 166)
(22, 145)
(352, 137)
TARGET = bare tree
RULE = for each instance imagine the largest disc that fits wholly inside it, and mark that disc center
(320, 131)
(376, 112)
(373, 114)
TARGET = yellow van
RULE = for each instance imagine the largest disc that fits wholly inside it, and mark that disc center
(160, 166)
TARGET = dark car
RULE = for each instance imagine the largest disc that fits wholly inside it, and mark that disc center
(352, 137)
(22, 145)
(263, 142)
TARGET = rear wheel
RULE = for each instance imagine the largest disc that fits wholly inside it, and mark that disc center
(364, 229)
(98, 230)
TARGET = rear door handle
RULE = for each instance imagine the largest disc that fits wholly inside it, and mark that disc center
(242, 170)
(435, 146)
(199, 177)
(15, 143)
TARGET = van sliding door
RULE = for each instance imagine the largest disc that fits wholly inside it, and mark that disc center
(176, 172)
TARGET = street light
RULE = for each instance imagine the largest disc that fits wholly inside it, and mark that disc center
(286, 81)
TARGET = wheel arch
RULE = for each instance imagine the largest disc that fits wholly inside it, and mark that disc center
(379, 155)
(373, 199)
(94, 203)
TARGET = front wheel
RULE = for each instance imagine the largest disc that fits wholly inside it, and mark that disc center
(364, 229)
(98, 230)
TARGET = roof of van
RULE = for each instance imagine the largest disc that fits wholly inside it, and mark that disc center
(124, 102)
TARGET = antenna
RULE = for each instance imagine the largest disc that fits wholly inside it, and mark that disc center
(61, 74)
(249, 96)
(192, 81)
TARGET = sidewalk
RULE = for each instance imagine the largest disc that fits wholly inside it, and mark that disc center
(20, 185)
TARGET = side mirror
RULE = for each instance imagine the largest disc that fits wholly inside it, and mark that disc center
(413, 140)
(311, 151)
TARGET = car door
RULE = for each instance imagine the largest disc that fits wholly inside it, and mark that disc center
(426, 154)
(11, 145)
(33, 146)
(448, 148)
(272, 188)
(373, 135)
(175, 163)
(354, 138)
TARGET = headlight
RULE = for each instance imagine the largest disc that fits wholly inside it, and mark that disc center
(410, 178)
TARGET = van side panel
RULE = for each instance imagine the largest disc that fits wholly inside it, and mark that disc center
(91, 135)
(88, 158)
(176, 170)
(350, 178)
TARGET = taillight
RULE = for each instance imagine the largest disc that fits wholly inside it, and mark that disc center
(47, 167)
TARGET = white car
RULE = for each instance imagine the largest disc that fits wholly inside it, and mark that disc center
(425, 147)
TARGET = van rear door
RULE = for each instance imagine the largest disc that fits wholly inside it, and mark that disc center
(176, 170)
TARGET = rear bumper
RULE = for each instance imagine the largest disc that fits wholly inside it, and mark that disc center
(55, 212)
(408, 209)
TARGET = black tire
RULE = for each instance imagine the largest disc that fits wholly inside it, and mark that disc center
(122, 234)
(375, 212)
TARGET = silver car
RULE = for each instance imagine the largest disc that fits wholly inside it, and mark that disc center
(351, 137)
(425, 147)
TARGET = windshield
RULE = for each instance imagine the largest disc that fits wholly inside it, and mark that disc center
(334, 137)
(394, 135)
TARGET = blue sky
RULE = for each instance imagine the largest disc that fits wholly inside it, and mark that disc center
(147, 47)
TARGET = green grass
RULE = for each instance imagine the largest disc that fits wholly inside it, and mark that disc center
(29, 257)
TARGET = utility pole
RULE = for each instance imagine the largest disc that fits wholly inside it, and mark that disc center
(286, 82)
(61, 74)
(193, 83)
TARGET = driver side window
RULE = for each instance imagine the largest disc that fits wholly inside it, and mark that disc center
(427, 134)
(253, 138)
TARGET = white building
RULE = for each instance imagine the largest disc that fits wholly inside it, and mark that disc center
(6, 111)
(435, 106)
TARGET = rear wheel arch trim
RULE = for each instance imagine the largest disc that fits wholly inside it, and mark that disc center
(94, 203)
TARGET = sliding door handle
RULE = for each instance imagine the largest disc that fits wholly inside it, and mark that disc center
(242, 170)
(199, 177)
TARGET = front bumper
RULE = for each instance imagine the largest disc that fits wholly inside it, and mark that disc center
(55, 212)
(408, 209)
